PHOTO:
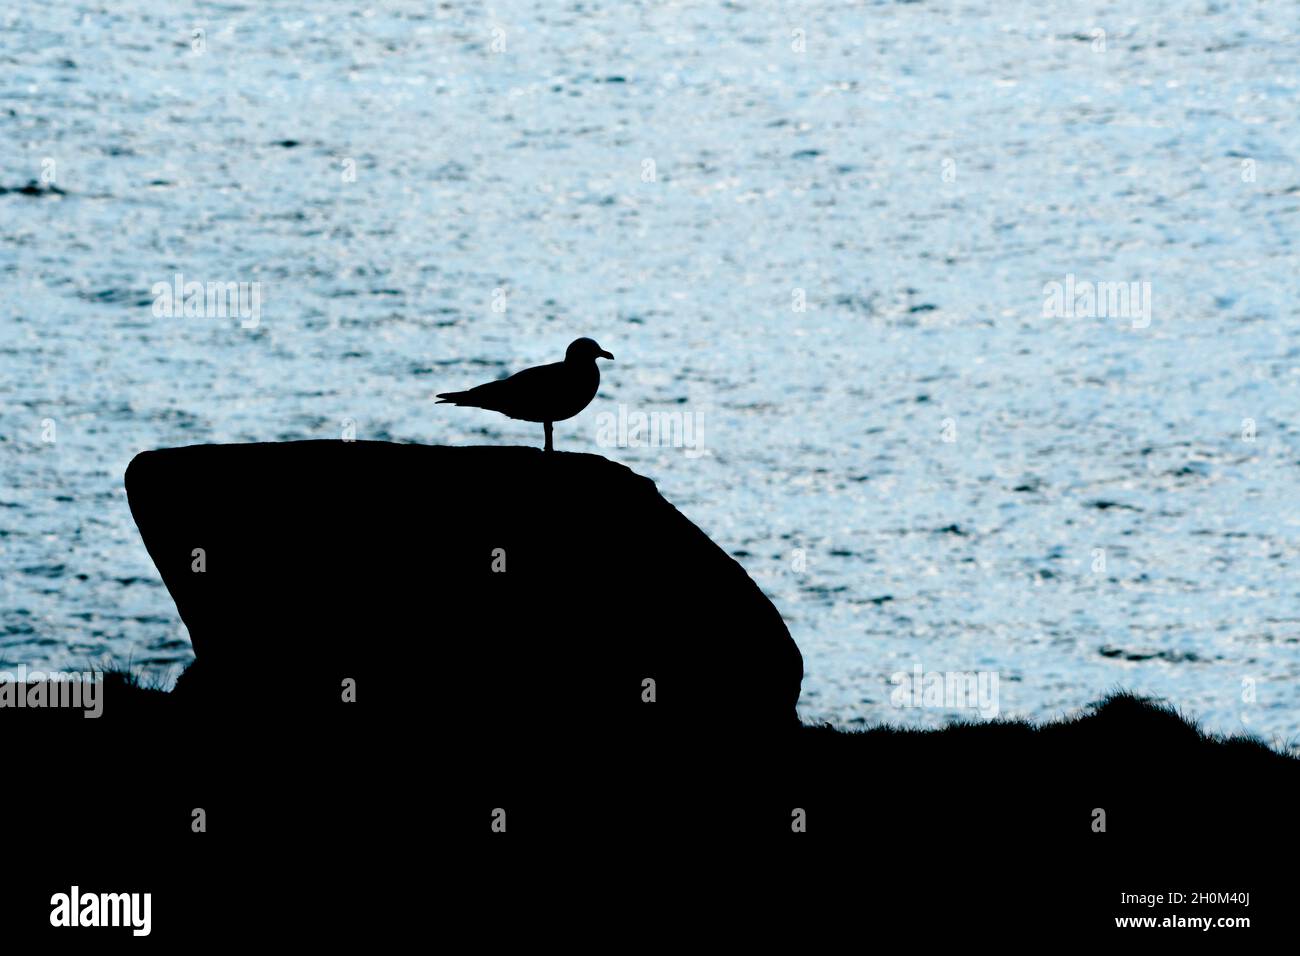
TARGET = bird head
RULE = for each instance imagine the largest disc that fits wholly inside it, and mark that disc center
(585, 350)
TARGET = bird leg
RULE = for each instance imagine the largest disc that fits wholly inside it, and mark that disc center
(549, 446)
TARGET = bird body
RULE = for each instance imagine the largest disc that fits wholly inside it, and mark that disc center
(546, 393)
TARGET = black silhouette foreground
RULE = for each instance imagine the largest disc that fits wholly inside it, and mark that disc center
(525, 586)
(499, 611)
(546, 393)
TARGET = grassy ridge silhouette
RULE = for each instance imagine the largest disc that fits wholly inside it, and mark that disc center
(955, 823)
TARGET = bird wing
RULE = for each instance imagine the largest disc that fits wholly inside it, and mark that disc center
(517, 396)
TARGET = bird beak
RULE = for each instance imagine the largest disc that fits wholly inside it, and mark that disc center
(603, 354)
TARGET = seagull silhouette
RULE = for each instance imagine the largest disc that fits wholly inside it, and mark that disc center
(546, 393)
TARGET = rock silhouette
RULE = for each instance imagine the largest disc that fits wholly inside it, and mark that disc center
(532, 588)
(546, 393)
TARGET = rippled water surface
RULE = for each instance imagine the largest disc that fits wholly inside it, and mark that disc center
(919, 467)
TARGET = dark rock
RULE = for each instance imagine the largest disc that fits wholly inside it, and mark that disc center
(329, 560)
